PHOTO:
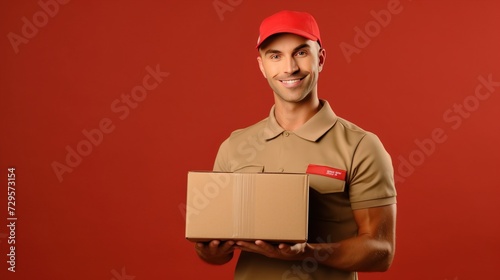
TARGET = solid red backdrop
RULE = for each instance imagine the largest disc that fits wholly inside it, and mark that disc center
(105, 106)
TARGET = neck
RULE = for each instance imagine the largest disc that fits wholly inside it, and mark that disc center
(292, 115)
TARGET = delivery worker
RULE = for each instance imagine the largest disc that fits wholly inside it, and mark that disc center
(352, 199)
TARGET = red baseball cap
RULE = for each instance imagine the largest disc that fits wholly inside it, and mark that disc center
(299, 23)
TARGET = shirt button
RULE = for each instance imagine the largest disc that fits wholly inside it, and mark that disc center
(286, 133)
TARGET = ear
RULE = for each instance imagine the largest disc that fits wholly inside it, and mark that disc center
(261, 67)
(322, 58)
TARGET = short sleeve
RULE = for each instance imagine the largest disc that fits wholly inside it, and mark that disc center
(372, 175)
(222, 160)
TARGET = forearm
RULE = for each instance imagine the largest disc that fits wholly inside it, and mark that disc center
(361, 253)
(371, 250)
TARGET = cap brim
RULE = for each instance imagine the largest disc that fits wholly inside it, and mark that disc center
(287, 30)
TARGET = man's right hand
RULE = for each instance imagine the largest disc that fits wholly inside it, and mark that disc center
(215, 252)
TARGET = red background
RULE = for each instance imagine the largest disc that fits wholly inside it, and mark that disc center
(119, 207)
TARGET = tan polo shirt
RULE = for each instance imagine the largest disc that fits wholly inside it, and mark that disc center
(328, 141)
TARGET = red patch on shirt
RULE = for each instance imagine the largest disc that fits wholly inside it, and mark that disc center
(326, 171)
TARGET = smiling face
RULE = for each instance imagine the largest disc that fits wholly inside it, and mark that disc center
(291, 65)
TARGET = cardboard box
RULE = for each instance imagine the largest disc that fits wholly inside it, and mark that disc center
(247, 206)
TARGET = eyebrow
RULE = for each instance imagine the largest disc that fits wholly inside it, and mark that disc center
(305, 45)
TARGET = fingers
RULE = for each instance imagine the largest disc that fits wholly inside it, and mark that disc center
(283, 246)
(259, 247)
(265, 246)
(228, 246)
(297, 248)
(215, 251)
(292, 250)
(284, 251)
(215, 247)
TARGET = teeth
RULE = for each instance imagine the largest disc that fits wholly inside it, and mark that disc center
(290, 81)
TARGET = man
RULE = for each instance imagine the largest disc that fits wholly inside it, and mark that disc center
(352, 211)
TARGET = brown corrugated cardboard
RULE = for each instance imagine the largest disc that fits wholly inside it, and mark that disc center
(247, 206)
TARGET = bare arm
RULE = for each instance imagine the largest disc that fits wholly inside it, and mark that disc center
(371, 250)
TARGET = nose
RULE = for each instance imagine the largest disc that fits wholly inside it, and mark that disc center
(291, 66)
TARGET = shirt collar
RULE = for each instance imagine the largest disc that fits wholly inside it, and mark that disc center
(312, 130)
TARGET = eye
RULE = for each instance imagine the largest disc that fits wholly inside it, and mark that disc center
(301, 53)
(274, 56)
